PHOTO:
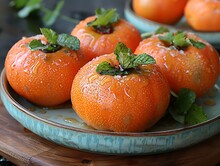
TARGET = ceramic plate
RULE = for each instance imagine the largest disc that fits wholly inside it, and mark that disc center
(145, 25)
(62, 126)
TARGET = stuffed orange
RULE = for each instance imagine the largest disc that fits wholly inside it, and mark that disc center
(129, 97)
(43, 75)
(186, 60)
(203, 15)
(100, 34)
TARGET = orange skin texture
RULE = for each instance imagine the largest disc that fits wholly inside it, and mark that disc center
(93, 44)
(161, 11)
(43, 78)
(131, 103)
(192, 68)
(203, 15)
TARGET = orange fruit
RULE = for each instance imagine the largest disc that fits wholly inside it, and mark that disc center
(42, 78)
(93, 44)
(191, 67)
(161, 11)
(129, 103)
(203, 15)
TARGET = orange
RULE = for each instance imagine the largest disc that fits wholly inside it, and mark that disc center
(191, 67)
(161, 11)
(42, 78)
(93, 44)
(129, 103)
(203, 15)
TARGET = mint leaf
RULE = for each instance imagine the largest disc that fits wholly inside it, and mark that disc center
(104, 17)
(184, 101)
(195, 115)
(50, 35)
(184, 110)
(18, 4)
(51, 16)
(143, 59)
(104, 20)
(161, 30)
(37, 45)
(105, 68)
(55, 41)
(127, 61)
(197, 44)
(180, 40)
(30, 6)
(167, 38)
(69, 41)
(124, 56)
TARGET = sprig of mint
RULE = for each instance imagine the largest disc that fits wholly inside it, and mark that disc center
(184, 110)
(127, 61)
(104, 20)
(49, 17)
(159, 30)
(180, 40)
(55, 41)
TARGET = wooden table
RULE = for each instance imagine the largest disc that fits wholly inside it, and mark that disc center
(23, 147)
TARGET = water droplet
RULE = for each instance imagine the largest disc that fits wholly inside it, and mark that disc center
(71, 120)
(43, 111)
(92, 78)
(34, 68)
(210, 102)
(32, 109)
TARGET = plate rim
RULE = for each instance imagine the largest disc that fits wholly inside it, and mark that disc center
(3, 89)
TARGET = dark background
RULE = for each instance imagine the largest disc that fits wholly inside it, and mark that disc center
(13, 28)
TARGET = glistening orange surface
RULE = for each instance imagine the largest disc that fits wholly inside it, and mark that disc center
(193, 68)
(42, 78)
(203, 15)
(130, 103)
(162, 11)
(93, 44)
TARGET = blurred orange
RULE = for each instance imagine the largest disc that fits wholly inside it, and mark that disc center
(203, 15)
(162, 11)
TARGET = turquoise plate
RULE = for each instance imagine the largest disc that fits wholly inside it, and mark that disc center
(145, 25)
(62, 126)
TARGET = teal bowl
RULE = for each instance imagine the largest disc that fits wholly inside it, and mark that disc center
(146, 25)
(61, 125)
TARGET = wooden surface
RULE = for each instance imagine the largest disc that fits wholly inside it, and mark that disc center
(23, 147)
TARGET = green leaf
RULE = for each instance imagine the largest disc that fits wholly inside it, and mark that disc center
(50, 35)
(37, 45)
(143, 59)
(180, 40)
(195, 115)
(105, 68)
(18, 4)
(55, 41)
(69, 41)
(168, 38)
(127, 61)
(124, 56)
(184, 101)
(51, 16)
(29, 7)
(104, 17)
(197, 44)
(161, 30)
